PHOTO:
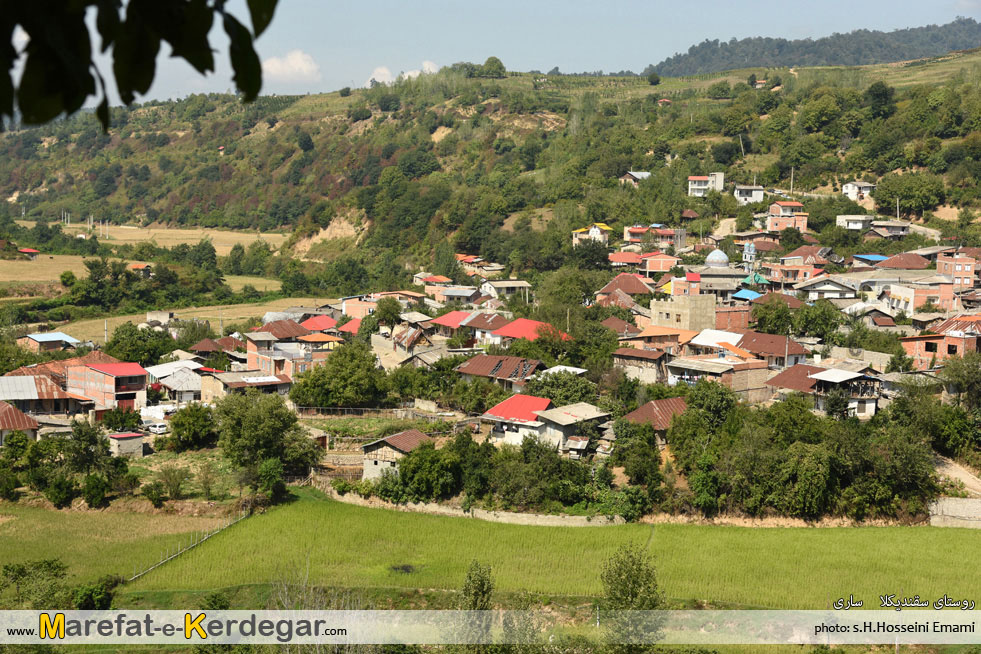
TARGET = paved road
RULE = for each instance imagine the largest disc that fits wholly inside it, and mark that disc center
(949, 468)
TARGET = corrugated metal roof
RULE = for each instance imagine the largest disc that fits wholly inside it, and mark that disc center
(13, 419)
(18, 388)
(50, 337)
(658, 413)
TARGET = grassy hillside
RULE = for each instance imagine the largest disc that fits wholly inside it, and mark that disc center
(345, 545)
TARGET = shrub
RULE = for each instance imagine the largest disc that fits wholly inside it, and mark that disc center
(8, 484)
(346, 91)
(361, 113)
(389, 102)
(97, 596)
(173, 478)
(341, 486)
(61, 491)
(94, 490)
(126, 483)
(271, 481)
(154, 492)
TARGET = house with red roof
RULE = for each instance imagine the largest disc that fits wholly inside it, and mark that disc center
(512, 373)
(527, 329)
(351, 327)
(13, 419)
(700, 185)
(624, 259)
(631, 284)
(658, 414)
(319, 323)
(385, 453)
(905, 261)
(30, 253)
(110, 385)
(657, 262)
(516, 418)
(449, 323)
(784, 214)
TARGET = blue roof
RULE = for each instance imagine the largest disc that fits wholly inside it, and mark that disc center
(53, 337)
(746, 294)
(871, 257)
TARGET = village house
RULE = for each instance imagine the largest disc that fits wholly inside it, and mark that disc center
(700, 185)
(12, 419)
(527, 329)
(952, 337)
(646, 366)
(861, 390)
(825, 287)
(888, 229)
(621, 327)
(779, 352)
(516, 418)
(271, 356)
(632, 284)
(685, 312)
(784, 214)
(599, 232)
(484, 325)
(144, 270)
(657, 262)
(506, 288)
(634, 177)
(183, 386)
(410, 337)
(48, 342)
(784, 276)
(511, 373)
(56, 369)
(110, 385)
(385, 453)
(666, 339)
(857, 190)
(127, 444)
(748, 194)
(562, 426)
(855, 223)
(449, 324)
(321, 323)
(744, 375)
(904, 261)
(624, 259)
(40, 395)
(356, 307)
(961, 268)
(915, 293)
(658, 414)
(216, 385)
(733, 317)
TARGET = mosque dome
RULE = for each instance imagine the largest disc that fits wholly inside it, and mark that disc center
(717, 259)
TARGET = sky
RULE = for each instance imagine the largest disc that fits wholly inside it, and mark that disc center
(315, 46)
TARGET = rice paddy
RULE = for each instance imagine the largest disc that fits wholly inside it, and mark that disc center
(803, 568)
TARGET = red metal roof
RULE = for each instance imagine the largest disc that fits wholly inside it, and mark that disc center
(351, 327)
(770, 344)
(437, 279)
(519, 408)
(698, 178)
(125, 435)
(451, 319)
(624, 257)
(526, 329)
(693, 277)
(11, 418)
(119, 369)
(796, 378)
(787, 203)
(284, 329)
(658, 413)
(404, 441)
(29, 251)
(319, 323)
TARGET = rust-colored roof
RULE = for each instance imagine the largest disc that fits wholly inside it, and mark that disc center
(206, 345)
(12, 418)
(805, 252)
(629, 283)
(624, 257)
(500, 367)
(796, 378)
(620, 326)
(689, 213)
(658, 413)
(285, 329)
(684, 335)
(487, 321)
(883, 321)
(905, 261)
(634, 353)
(618, 299)
(230, 343)
(963, 323)
(56, 369)
(789, 300)
(404, 441)
(759, 343)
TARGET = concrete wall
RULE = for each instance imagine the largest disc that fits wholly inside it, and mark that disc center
(692, 312)
(956, 512)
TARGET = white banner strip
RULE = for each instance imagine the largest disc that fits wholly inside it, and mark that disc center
(924, 627)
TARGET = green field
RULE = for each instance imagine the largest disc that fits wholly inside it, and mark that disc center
(344, 545)
(93, 543)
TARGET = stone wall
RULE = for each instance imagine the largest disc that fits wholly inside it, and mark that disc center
(956, 512)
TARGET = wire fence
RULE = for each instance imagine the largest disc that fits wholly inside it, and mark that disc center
(193, 541)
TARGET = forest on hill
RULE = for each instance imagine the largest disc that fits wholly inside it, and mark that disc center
(857, 48)
(501, 166)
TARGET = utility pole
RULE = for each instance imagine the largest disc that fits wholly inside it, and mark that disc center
(897, 207)
(791, 180)
(741, 148)
(105, 338)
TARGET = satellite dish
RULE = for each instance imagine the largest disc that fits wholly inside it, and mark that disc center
(855, 351)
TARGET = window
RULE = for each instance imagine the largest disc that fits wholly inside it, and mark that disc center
(860, 407)
(951, 349)
(930, 347)
(957, 267)
(677, 318)
(375, 461)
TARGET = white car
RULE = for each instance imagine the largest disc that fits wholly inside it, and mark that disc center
(157, 428)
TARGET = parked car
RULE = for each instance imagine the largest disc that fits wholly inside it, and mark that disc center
(157, 428)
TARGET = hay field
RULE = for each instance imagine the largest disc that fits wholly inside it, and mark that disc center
(223, 239)
(93, 329)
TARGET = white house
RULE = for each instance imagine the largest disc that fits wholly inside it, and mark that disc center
(825, 287)
(855, 223)
(747, 194)
(503, 289)
(700, 185)
(599, 232)
(857, 190)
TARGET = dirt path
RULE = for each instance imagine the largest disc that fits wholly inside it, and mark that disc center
(726, 226)
(953, 470)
